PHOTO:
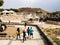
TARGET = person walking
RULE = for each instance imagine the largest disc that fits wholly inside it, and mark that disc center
(25, 24)
(18, 33)
(24, 35)
(28, 30)
(31, 32)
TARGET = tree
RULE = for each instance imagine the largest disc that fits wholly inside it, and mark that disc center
(1, 2)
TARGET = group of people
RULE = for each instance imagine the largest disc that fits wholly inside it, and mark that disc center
(29, 31)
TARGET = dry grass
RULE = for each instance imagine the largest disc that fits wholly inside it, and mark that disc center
(53, 33)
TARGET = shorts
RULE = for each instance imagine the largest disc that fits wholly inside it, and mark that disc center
(31, 33)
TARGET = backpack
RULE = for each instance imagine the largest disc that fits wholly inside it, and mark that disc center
(17, 32)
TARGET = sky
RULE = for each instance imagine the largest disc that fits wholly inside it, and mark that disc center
(49, 5)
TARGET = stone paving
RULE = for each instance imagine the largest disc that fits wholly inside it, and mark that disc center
(36, 40)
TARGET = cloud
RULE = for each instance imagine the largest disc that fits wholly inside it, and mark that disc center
(27, 1)
(50, 5)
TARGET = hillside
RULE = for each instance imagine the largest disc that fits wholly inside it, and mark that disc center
(55, 16)
(35, 10)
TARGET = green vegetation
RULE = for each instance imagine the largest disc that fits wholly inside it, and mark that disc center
(53, 33)
(1, 10)
(57, 41)
(16, 10)
(1, 2)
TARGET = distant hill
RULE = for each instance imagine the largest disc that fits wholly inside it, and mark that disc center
(54, 16)
(36, 10)
(57, 12)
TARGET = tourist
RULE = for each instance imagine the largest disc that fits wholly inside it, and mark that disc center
(24, 35)
(28, 30)
(31, 32)
(25, 24)
(18, 33)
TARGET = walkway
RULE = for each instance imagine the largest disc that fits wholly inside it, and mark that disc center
(37, 40)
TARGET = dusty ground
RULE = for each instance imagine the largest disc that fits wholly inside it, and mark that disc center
(44, 25)
(11, 32)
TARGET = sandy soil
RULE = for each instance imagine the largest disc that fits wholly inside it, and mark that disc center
(50, 26)
(11, 32)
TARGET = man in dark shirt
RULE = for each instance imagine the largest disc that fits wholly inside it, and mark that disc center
(24, 35)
